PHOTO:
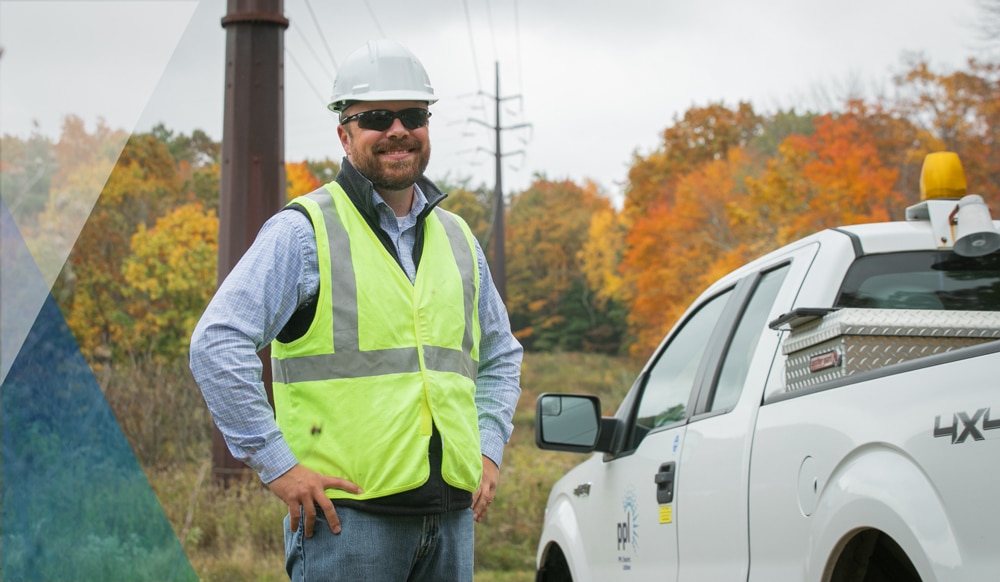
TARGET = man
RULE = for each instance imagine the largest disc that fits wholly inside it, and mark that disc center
(395, 371)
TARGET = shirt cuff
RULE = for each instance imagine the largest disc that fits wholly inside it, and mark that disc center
(492, 445)
(273, 461)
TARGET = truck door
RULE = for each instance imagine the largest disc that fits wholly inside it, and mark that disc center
(712, 513)
(632, 532)
(712, 518)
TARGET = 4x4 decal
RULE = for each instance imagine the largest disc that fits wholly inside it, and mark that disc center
(969, 426)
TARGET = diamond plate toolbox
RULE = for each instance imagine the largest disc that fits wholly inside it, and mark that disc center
(848, 341)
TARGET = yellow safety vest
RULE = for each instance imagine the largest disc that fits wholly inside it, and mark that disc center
(384, 359)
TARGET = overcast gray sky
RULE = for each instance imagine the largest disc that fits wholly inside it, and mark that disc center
(599, 80)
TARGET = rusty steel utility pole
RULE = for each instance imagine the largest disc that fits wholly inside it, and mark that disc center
(253, 151)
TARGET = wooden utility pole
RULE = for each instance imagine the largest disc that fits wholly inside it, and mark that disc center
(253, 151)
(498, 264)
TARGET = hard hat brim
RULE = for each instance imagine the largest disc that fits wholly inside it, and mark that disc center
(341, 105)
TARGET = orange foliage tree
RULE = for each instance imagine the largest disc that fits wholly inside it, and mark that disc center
(551, 305)
(833, 177)
(728, 210)
(299, 180)
(677, 249)
(960, 112)
(703, 134)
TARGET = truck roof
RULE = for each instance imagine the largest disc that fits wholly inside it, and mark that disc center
(888, 237)
(916, 234)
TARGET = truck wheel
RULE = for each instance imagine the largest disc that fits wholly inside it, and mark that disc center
(872, 556)
(554, 568)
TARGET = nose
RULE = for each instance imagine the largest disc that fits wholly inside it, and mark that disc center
(397, 128)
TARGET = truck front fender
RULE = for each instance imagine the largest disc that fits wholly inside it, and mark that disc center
(562, 528)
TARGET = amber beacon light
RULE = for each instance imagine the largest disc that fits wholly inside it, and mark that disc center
(942, 178)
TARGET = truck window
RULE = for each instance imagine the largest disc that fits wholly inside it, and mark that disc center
(744, 343)
(669, 383)
(923, 280)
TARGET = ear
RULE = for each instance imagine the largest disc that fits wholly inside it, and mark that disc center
(345, 138)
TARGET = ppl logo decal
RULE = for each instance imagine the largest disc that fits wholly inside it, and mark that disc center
(628, 534)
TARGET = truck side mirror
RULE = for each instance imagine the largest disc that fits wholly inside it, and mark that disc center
(567, 422)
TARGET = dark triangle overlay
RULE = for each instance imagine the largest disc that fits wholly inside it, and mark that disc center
(75, 502)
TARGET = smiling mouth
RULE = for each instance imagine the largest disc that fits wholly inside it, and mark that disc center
(398, 149)
(396, 152)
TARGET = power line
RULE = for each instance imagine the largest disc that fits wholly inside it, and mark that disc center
(493, 34)
(472, 46)
(311, 49)
(375, 18)
(321, 35)
(520, 63)
(298, 66)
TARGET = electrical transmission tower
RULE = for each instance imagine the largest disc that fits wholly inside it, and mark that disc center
(498, 265)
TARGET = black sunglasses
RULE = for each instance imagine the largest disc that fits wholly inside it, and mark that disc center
(381, 119)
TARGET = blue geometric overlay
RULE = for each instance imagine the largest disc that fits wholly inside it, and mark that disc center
(75, 502)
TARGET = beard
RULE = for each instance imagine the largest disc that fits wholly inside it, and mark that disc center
(390, 175)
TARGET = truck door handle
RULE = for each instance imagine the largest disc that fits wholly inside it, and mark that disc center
(664, 480)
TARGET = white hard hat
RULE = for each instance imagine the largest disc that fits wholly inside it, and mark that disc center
(382, 70)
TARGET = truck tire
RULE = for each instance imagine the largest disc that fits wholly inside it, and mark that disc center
(554, 568)
(872, 556)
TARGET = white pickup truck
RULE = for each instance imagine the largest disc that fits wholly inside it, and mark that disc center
(823, 413)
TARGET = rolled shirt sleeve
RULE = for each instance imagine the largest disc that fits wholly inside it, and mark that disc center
(498, 385)
(250, 307)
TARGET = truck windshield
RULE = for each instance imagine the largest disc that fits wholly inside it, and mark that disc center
(923, 280)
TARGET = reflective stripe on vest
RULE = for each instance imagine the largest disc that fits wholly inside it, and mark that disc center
(348, 361)
(384, 358)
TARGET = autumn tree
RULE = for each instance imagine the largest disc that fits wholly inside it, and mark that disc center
(197, 158)
(551, 305)
(76, 168)
(196, 150)
(299, 180)
(830, 178)
(988, 23)
(701, 135)
(169, 276)
(143, 185)
(325, 170)
(775, 128)
(960, 112)
(472, 206)
(26, 171)
(790, 180)
(676, 250)
(601, 255)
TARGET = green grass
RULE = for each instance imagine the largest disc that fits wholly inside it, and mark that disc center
(233, 532)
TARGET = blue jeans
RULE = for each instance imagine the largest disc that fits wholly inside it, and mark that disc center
(376, 547)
